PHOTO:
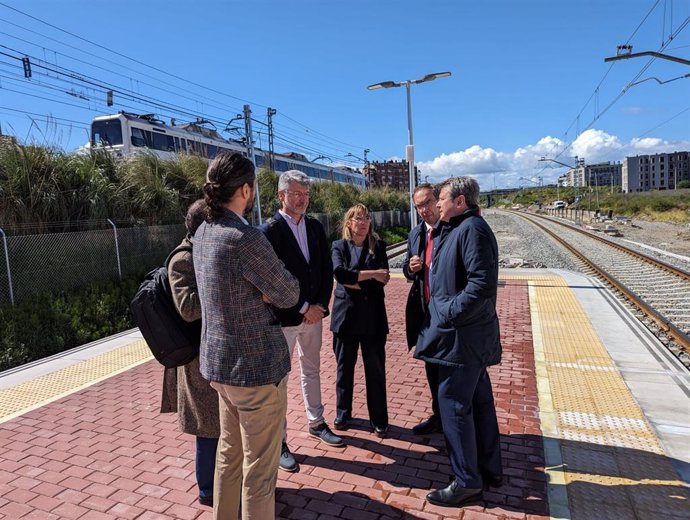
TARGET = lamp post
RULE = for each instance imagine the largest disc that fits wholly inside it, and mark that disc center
(410, 140)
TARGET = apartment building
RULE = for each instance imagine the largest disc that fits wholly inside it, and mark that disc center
(662, 171)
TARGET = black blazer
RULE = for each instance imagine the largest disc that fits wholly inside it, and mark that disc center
(415, 307)
(358, 311)
(315, 278)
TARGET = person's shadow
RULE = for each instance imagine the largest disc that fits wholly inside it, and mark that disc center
(592, 481)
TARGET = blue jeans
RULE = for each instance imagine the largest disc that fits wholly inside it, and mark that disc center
(205, 464)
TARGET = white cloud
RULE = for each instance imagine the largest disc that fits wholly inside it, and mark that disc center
(505, 169)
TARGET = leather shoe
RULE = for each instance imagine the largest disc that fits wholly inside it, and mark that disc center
(431, 425)
(341, 423)
(454, 496)
(323, 432)
(287, 460)
(380, 431)
(206, 501)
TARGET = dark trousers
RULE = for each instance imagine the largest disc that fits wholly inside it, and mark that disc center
(345, 347)
(468, 416)
(432, 378)
(205, 464)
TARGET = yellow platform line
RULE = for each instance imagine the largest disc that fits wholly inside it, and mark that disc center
(603, 458)
(45, 389)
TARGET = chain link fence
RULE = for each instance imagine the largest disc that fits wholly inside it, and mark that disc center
(56, 262)
(43, 263)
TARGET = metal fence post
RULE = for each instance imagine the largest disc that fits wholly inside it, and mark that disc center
(117, 249)
(7, 263)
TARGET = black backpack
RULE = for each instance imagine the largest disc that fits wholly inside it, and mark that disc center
(173, 341)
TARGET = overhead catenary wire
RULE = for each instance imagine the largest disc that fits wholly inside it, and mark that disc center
(147, 66)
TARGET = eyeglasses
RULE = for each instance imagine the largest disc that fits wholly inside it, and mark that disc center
(425, 204)
(366, 218)
(297, 193)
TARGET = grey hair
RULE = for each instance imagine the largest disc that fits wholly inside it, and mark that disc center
(293, 176)
(467, 186)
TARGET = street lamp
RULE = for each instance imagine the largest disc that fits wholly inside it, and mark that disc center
(410, 146)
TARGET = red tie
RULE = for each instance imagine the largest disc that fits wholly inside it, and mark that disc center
(427, 263)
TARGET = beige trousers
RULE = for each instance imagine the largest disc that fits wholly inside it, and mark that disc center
(251, 420)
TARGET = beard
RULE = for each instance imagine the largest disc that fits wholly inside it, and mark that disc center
(250, 203)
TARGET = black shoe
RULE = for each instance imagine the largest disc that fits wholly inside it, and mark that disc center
(287, 461)
(431, 425)
(454, 496)
(206, 501)
(341, 423)
(494, 481)
(323, 432)
(379, 430)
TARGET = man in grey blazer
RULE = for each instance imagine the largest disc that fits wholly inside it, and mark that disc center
(243, 351)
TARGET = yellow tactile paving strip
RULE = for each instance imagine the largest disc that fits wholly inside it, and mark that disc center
(604, 459)
(28, 396)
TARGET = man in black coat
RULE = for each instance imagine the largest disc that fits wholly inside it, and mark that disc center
(461, 335)
(416, 268)
(300, 242)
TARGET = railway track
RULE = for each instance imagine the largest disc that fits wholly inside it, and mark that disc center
(397, 250)
(659, 291)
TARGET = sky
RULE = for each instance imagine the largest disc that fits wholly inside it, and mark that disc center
(528, 77)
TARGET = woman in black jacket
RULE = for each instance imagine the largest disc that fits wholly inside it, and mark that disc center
(360, 267)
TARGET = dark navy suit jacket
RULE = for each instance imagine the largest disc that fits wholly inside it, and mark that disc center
(358, 311)
(415, 308)
(315, 278)
(462, 326)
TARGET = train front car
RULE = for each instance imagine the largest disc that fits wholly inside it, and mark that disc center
(107, 133)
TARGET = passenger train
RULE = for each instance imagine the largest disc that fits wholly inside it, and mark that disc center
(129, 134)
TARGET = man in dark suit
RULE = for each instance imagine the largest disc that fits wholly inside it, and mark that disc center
(461, 334)
(300, 242)
(416, 267)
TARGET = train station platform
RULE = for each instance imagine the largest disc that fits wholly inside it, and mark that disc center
(594, 416)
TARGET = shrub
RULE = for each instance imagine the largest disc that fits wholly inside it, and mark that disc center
(49, 324)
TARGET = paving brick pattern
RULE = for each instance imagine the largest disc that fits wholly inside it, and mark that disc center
(106, 453)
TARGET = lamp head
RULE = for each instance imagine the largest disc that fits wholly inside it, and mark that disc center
(435, 75)
(383, 84)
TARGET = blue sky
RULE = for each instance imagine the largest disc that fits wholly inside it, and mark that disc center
(524, 83)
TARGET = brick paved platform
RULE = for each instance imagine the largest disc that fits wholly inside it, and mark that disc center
(104, 451)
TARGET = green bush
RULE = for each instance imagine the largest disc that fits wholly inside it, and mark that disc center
(393, 235)
(50, 324)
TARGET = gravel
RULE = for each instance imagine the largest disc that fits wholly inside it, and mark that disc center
(522, 245)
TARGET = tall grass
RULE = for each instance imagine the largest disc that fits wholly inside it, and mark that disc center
(49, 189)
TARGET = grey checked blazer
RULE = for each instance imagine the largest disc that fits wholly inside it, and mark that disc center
(242, 343)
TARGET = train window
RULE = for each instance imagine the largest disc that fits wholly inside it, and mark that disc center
(138, 138)
(108, 133)
(162, 142)
(212, 151)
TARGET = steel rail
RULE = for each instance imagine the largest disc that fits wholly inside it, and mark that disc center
(661, 321)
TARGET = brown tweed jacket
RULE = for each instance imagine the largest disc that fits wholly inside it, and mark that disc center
(185, 391)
